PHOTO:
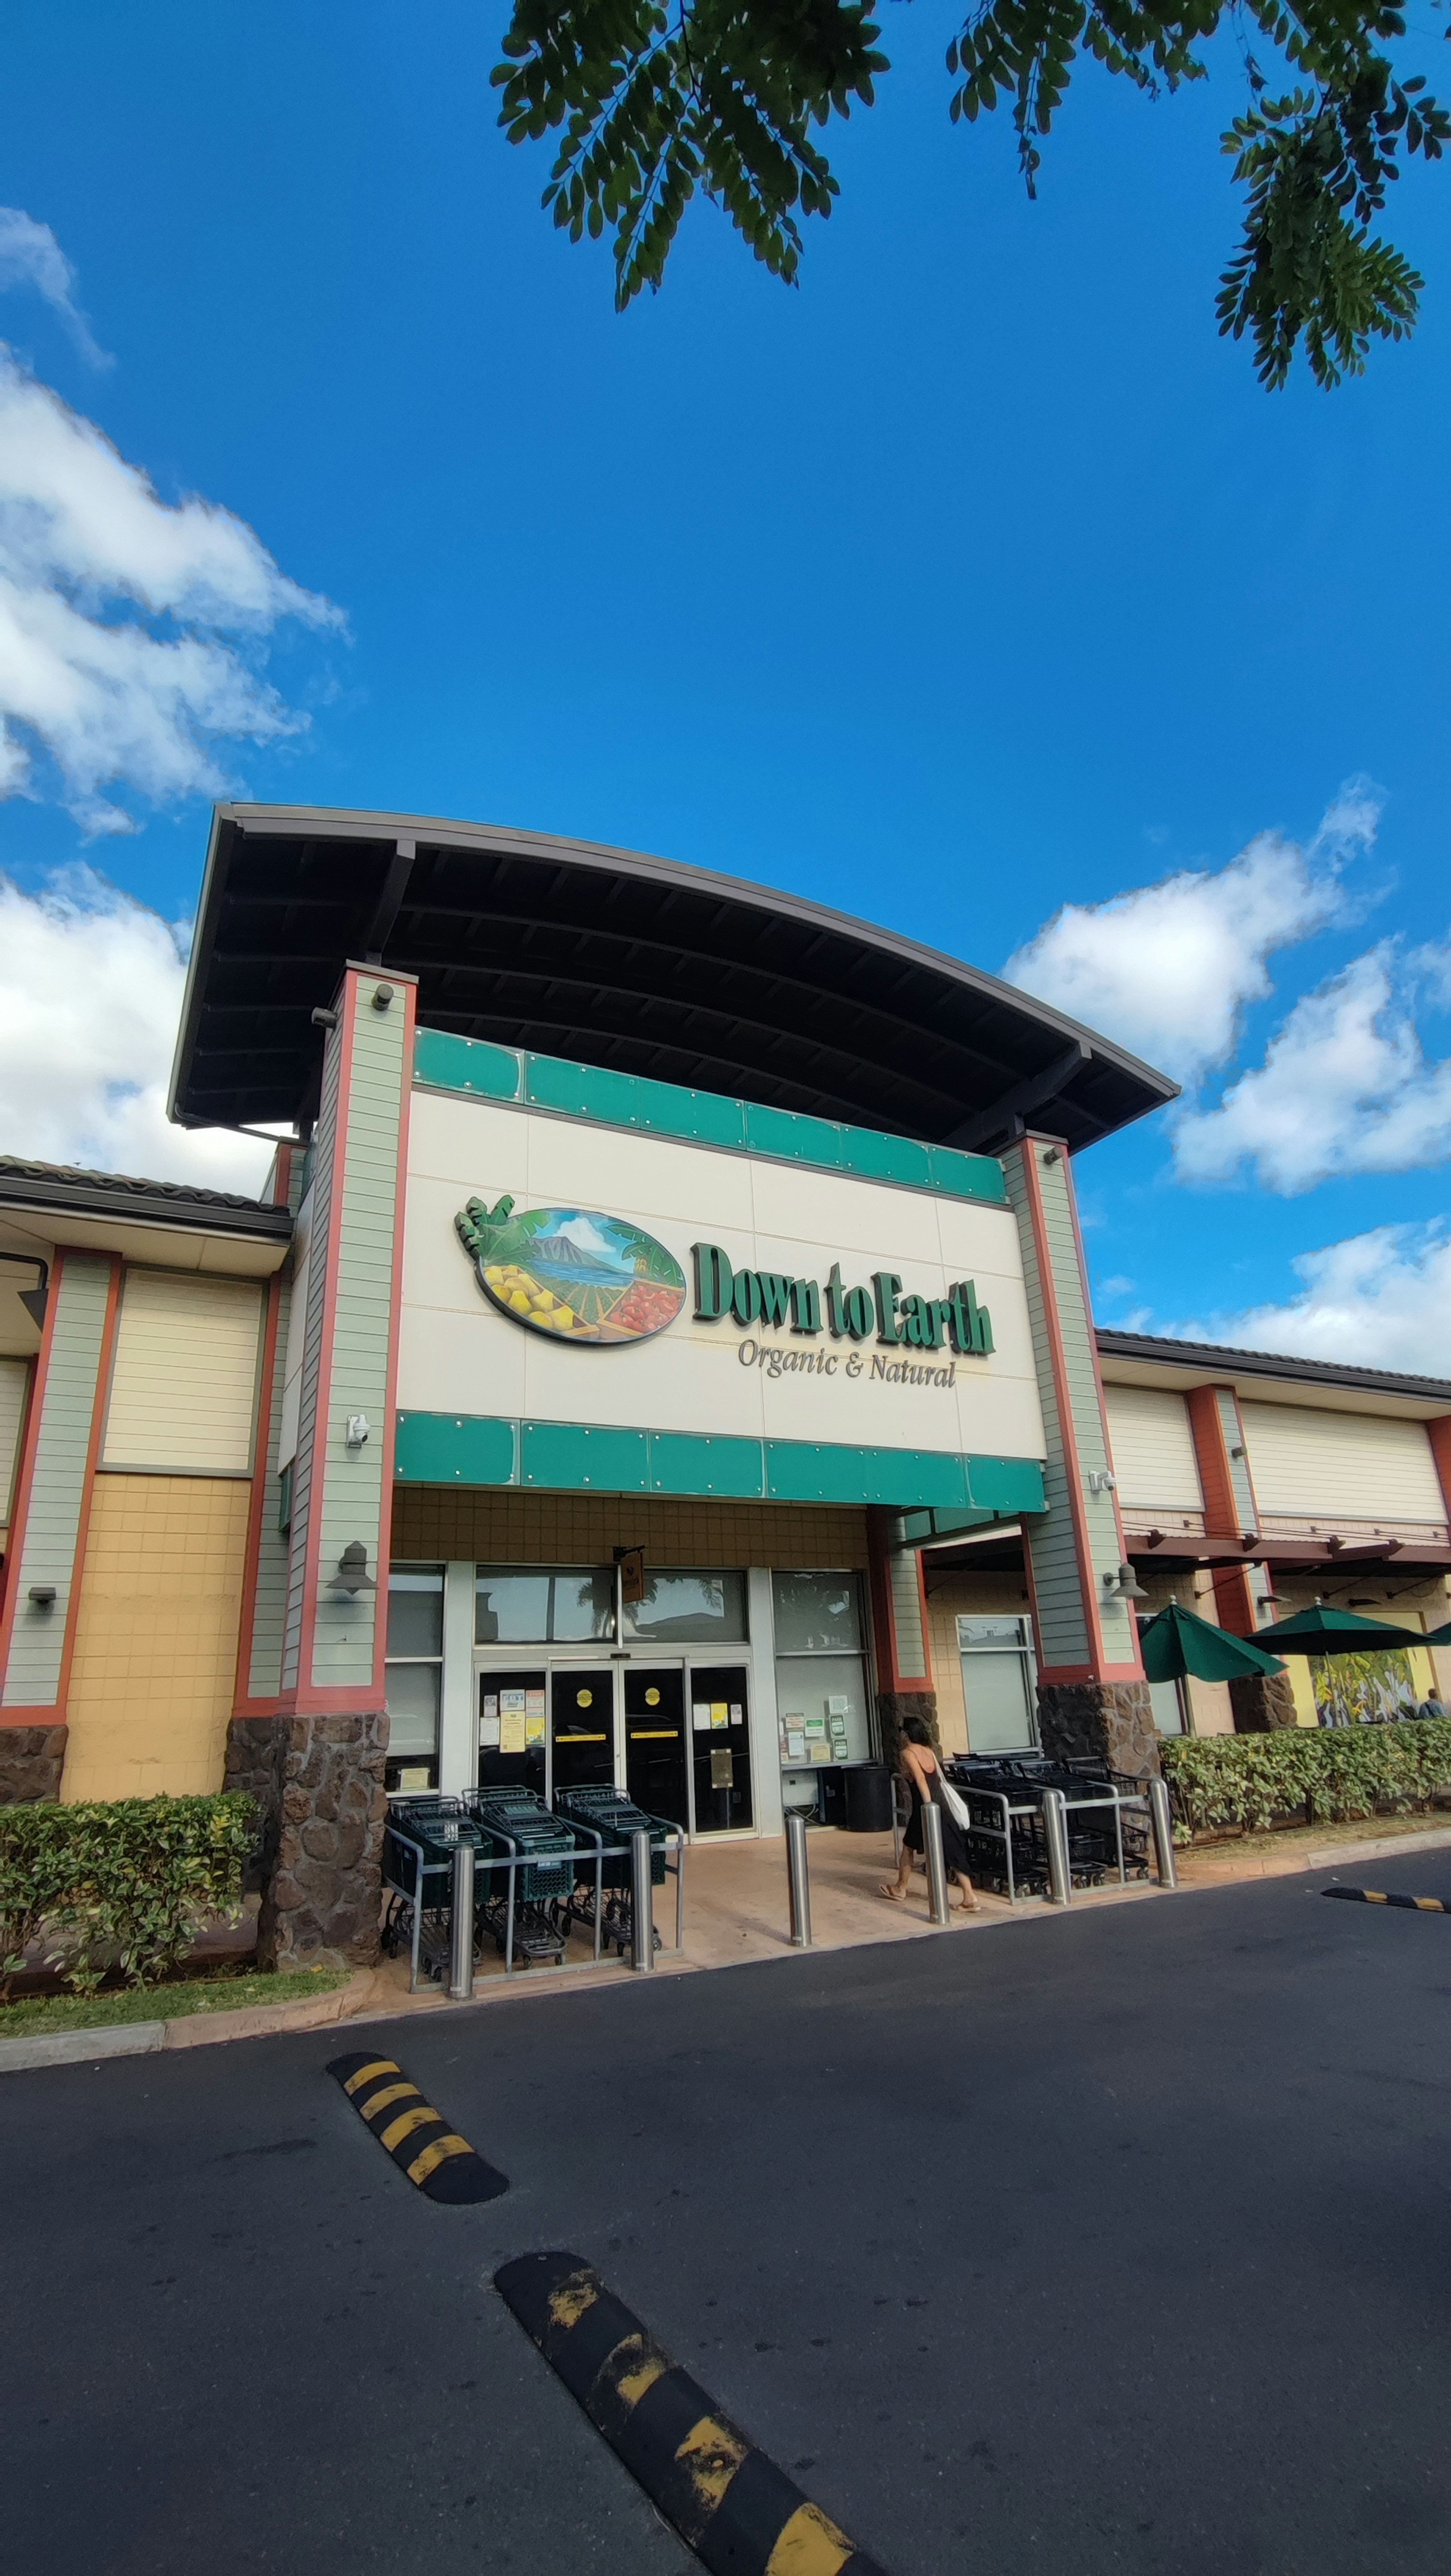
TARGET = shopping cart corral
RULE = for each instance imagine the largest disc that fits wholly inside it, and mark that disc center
(1106, 1814)
(539, 1874)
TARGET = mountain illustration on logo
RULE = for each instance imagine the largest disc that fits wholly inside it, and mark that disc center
(571, 1272)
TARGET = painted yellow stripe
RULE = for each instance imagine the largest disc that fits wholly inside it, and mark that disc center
(407, 2121)
(653, 1734)
(573, 2297)
(633, 2366)
(1373, 1896)
(366, 2074)
(810, 2545)
(436, 2153)
(1429, 1905)
(710, 2454)
(400, 2092)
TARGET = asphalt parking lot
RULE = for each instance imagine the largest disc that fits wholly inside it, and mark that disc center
(1117, 2241)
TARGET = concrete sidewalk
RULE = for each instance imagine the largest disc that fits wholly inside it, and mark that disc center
(736, 1911)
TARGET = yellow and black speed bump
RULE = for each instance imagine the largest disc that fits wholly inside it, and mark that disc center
(729, 2503)
(418, 2138)
(1375, 1896)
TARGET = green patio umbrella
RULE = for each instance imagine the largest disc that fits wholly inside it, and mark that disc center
(1178, 1642)
(1438, 1636)
(1323, 1631)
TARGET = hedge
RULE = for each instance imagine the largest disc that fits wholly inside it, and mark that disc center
(119, 1885)
(1328, 1773)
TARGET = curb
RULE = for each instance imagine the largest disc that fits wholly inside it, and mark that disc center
(82, 2047)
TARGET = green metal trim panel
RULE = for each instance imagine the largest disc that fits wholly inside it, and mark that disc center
(446, 1063)
(449, 1063)
(1006, 1485)
(456, 1449)
(685, 1462)
(572, 1457)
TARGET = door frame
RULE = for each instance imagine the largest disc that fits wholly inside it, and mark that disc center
(595, 1655)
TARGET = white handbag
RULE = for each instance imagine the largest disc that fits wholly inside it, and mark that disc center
(952, 1803)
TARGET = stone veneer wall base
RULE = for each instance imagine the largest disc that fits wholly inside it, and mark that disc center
(1112, 1720)
(32, 1759)
(319, 1782)
(893, 1707)
(1260, 1702)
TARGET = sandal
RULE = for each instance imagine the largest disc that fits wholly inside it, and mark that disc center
(890, 1889)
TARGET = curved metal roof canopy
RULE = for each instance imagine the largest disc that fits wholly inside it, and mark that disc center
(607, 958)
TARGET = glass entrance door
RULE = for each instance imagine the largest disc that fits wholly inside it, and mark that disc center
(720, 1747)
(655, 1740)
(582, 1728)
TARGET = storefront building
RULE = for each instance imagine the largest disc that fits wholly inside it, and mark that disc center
(663, 1356)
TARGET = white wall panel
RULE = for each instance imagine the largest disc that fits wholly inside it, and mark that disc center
(1153, 1449)
(1367, 1467)
(14, 1388)
(458, 1354)
(184, 1385)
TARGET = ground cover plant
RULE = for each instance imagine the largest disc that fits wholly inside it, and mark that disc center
(224, 1991)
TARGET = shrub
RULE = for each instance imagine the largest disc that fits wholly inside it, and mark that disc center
(120, 1884)
(1329, 1773)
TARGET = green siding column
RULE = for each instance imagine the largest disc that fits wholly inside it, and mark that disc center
(1092, 1696)
(54, 1503)
(332, 1642)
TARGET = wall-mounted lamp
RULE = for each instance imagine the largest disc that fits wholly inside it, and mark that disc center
(382, 997)
(358, 1429)
(1052, 1155)
(324, 1019)
(1099, 1480)
(352, 1575)
(1237, 1452)
(1122, 1587)
(43, 1595)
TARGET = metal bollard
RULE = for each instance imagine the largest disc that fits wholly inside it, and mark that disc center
(1162, 1818)
(798, 1883)
(1055, 1834)
(936, 1866)
(461, 1927)
(642, 1902)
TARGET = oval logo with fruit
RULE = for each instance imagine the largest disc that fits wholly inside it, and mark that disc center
(572, 1273)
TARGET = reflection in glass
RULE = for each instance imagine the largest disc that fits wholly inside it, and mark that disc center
(415, 1610)
(543, 1605)
(816, 1612)
(411, 1696)
(998, 1684)
(689, 1606)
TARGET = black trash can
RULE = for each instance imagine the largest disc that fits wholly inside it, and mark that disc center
(868, 1802)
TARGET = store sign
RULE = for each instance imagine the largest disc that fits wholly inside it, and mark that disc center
(572, 1273)
(882, 1312)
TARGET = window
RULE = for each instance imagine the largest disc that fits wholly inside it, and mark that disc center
(414, 1675)
(998, 1684)
(1168, 1699)
(681, 1608)
(821, 1685)
(543, 1605)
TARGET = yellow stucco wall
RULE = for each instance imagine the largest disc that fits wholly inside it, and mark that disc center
(156, 1640)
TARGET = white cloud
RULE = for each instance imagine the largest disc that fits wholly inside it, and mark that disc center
(90, 996)
(1344, 1087)
(114, 704)
(1168, 968)
(1377, 1300)
(30, 255)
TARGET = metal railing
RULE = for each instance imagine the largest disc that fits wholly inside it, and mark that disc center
(446, 1948)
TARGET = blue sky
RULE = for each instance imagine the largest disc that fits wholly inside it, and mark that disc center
(973, 579)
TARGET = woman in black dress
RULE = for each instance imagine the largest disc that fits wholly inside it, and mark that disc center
(918, 1766)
